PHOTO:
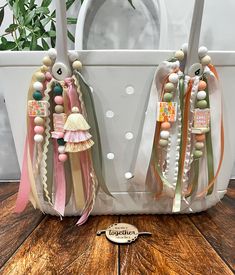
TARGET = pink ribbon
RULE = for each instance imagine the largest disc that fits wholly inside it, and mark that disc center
(60, 182)
(24, 188)
(72, 93)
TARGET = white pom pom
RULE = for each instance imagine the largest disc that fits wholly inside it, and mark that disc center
(75, 110)
(73, 56)
(202, 51)
(38, 86)
(201, 95)
(61, 149)
(38, 138)
(52, 53)
(164, 134)
(173, 78)
(184, 48)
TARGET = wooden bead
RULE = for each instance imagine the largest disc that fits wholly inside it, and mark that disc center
(52, 53)
(169, 87)
(61, 141)
(39, 129)
(38, 138)
(58, 90)
(44, 68)
(163, 142)
(174, 78)
(165, 125)
(39, 121)
(77, 65)
(202, 85)
(167, 97)
(197, 154)
(59, 109)
(201, 95)
(200, 138)
(63, 157)
(202, 51)
(37, 95)
(206, 60)
(38, 86)
(59, 100)
(179, 55)
(40, 77)
(47, 61)
(199, 145)
(202, 104)
(164, 134)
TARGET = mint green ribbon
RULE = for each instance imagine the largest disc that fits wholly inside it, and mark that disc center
(96, 150)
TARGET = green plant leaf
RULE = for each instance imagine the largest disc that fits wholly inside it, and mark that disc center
(11, 28)
(131, 2)
(45, 45)
(33, 44)
(16, 9)
(69, 3)
(71, 37)
(9, 45)
(45, 21)
(71, 20)
(1, 15)
(43, 10)
(46, 3)
(29, 17)
(4, 40)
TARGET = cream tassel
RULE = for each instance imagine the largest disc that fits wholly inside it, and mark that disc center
(76, 121)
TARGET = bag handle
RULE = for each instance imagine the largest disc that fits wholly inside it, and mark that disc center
(88, 5)
(61, 69)
(192, 54)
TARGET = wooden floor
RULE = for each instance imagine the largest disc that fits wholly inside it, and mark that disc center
(32, 243)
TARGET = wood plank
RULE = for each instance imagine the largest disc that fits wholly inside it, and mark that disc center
(61, 247)
(176, 247)
(218, 226)
(15, 228)
(8, 189)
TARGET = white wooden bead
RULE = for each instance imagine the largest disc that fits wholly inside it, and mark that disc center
(38, 86)
(206, 60)
(201, 95)
(61, 149)
(52, 53)
(77, 65)
(179, 55)
(173, 78)
(73, 56)
(38, 138)
(184, 48)
(47, 61)
(164, 134)
(202, 51)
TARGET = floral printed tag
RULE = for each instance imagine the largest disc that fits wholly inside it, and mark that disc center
(38, 108)
(166, 111)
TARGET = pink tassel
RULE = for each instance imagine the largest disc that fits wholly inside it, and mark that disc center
(72, 93)
(77, 136)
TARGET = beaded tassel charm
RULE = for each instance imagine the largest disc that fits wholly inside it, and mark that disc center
(77, 137)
